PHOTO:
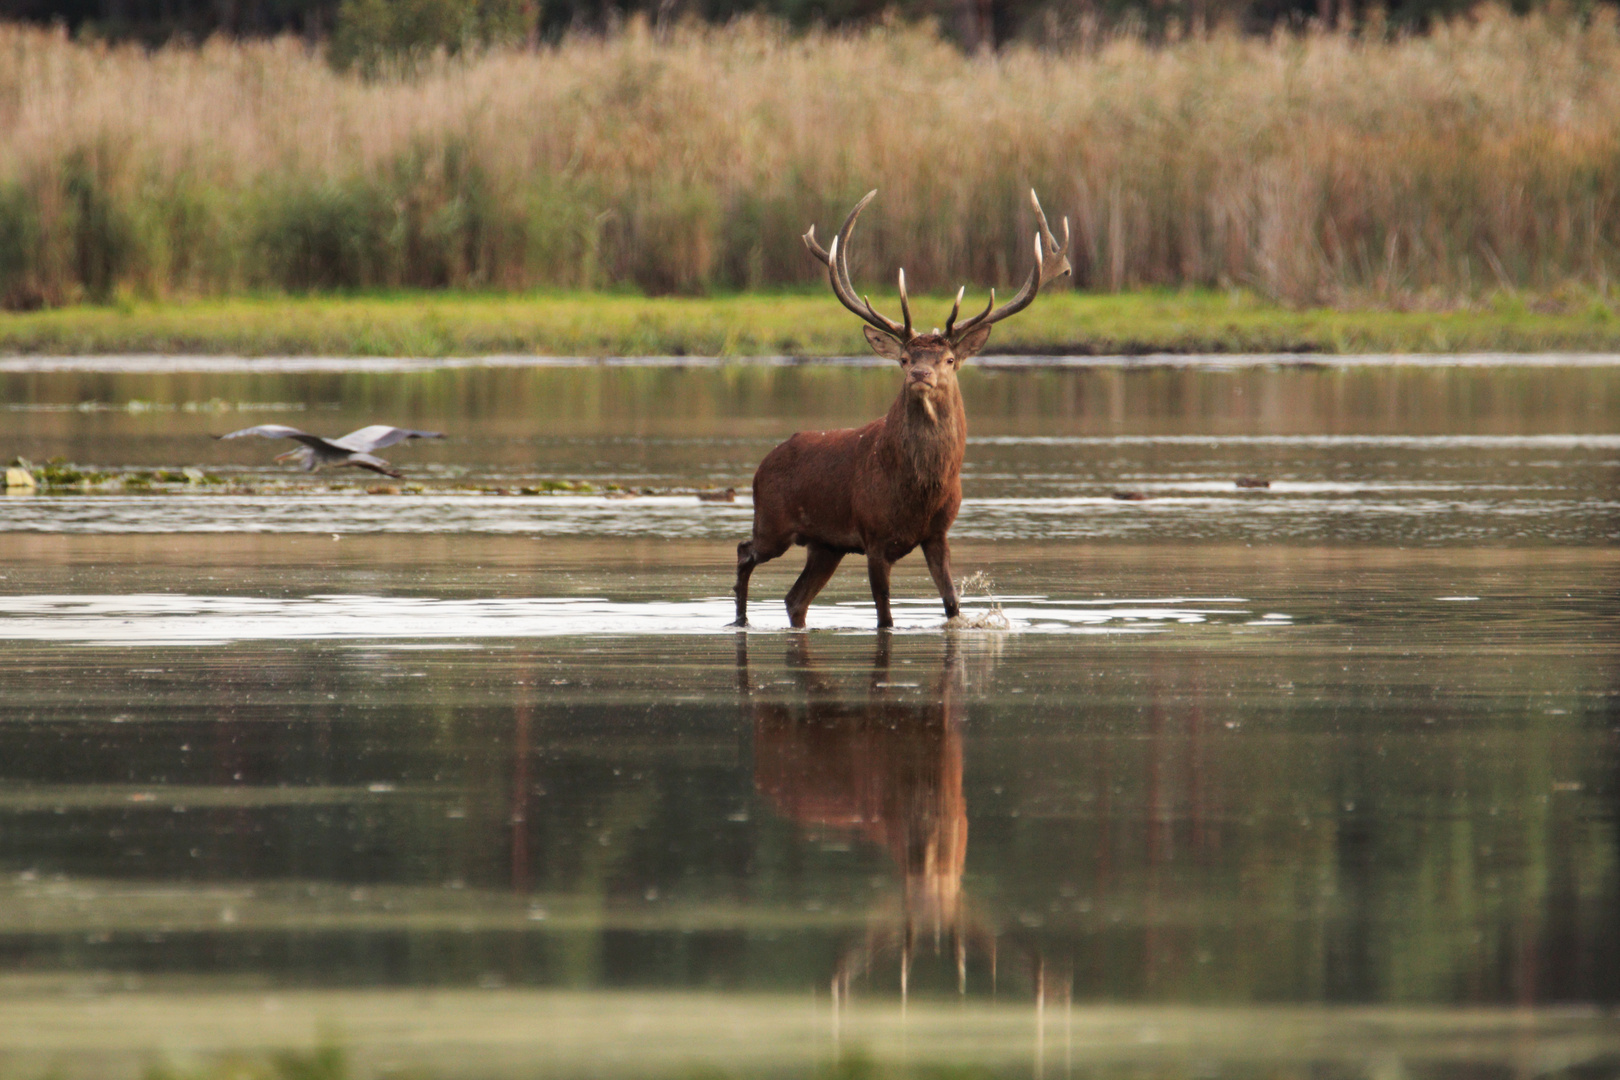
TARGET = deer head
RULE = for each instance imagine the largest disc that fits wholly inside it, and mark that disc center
(931, 359)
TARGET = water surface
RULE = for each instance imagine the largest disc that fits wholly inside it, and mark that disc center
(1316, 780)
(1404, 455)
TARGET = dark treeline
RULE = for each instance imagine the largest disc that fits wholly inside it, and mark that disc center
(356, 26)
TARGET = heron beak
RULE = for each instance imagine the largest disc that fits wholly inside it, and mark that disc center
(288, 456)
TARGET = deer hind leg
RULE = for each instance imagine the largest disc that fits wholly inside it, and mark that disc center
(938, 554)
(819, 564)
(750, 553)
(877, 569)
(746, 561)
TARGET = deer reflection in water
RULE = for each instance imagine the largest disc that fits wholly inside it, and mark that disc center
(886, 768)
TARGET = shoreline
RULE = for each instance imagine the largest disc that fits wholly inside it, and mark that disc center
(159, 363)
(1066, 329)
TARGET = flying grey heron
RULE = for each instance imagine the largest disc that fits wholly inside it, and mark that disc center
(351, 449)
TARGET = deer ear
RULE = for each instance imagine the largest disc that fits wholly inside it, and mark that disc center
(969, 344)
(882, 344)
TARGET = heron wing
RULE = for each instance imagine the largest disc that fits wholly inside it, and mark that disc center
(280, 431)
(269, 431)
(378, 436)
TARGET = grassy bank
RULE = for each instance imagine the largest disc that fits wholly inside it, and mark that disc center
(808, 323)
(1313, 169)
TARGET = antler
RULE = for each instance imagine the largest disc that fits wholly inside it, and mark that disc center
(837, 259)
(1039, 275)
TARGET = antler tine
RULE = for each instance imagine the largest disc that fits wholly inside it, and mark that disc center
(905, 306)
(1051, 261)
(816, 249)
(971, 323)
(837, 259)
(956, 309)
(847, 287)
(871, 315)
(1052, 246)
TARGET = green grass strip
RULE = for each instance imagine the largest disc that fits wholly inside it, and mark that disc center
(792, 324)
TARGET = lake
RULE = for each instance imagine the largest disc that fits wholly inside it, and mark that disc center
(463, 775)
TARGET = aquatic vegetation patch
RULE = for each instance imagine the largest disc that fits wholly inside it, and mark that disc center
(59, 473)
(328, 1061)
(59, 476)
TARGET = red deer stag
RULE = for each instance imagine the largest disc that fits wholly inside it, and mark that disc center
(895, 484)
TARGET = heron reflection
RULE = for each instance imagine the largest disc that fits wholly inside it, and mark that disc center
(883, 764)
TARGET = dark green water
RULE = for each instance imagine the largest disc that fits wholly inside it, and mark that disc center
(1319, 780)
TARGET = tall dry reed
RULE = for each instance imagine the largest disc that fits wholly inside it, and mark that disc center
(1481, 156)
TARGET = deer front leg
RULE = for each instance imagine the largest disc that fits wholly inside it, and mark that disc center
(938, 554)
(877, 569)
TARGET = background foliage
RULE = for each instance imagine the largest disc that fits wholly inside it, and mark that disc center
(1325, 167)
(408, 26)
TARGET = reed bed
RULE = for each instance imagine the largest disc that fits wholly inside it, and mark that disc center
(1324, 168)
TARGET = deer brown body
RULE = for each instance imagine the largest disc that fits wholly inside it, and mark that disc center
(895, 485)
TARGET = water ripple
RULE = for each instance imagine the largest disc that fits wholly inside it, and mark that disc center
(1416, 513)
(147, 619)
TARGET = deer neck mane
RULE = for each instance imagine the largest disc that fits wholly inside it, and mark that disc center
(926, 436)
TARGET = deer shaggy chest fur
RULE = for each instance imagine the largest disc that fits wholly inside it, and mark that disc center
(885, 489)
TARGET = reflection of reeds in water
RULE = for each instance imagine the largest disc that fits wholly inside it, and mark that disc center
(889, 769)
(1322, 166)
